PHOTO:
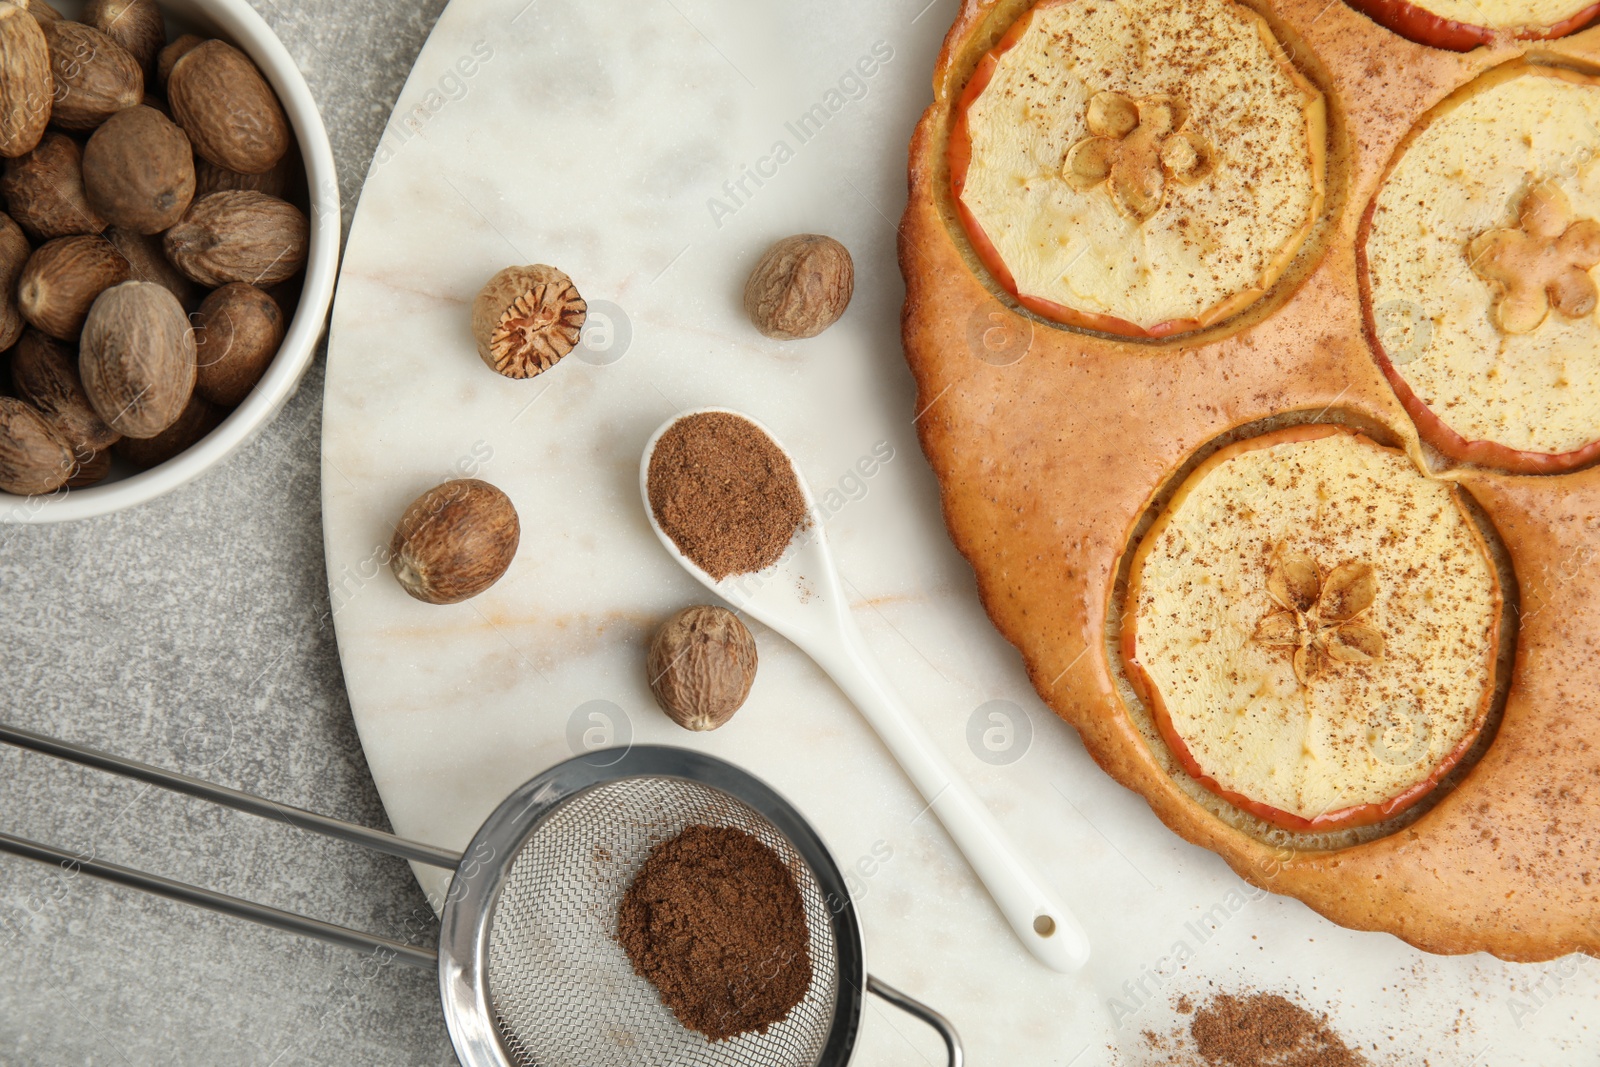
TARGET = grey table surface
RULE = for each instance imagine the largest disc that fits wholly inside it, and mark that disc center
(193, 633)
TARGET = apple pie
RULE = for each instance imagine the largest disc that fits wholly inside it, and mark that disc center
(1223, 518)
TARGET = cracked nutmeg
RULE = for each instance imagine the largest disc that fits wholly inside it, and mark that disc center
(526, 319)
(1541, 263)
(1321, 616)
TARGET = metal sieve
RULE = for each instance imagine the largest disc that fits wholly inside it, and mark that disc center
(529, 969)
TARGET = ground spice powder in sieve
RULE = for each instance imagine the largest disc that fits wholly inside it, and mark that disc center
(725, 493)
(714, 921)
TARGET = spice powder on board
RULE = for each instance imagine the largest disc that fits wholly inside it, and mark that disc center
(725, 493)
(1252, 1029)
(1267, 1030)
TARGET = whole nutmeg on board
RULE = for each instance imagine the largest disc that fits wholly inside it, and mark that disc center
(237, 332)
(61, 280)
(95, 77)
(454, 541)
(701, 665)
(27, 86)
(137, 358)
(227, 108)
(800, 287)
(239, 236)
(138, 171)
(526, 319)
(44, 190)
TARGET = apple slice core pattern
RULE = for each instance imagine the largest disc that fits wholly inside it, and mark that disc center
(1140, 168)
(1479, 257)
(1314, 623)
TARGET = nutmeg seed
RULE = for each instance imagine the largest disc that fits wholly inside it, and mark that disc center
(454, 541)
(138, 171)
(147, 262)
(227, 108)
(200, 416)
(137, 358)
(27, 86)
(210, 178)
(237, 332)
(526, 319)
(44, 372)
(33, 457)
(62, 279)
(701, 665)
(800, 287)
(44, 190)
(91, 471)
(168, 57)
(95, 77)
(239, 236)
(136, 25)
(42, 10)
(14, 254)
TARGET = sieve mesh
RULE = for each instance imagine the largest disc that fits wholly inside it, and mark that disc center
(561, 988)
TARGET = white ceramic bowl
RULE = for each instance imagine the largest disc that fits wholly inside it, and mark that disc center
(236, 22)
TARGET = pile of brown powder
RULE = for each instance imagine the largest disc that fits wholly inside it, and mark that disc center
(714, 921)
(1267, 1030)
(725, 493)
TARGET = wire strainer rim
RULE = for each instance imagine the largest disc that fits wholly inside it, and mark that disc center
(486, 865)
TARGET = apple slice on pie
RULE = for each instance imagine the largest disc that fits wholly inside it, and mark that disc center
(1314, 623)
(1478, 259)
(1461, 25)
(1142, 168)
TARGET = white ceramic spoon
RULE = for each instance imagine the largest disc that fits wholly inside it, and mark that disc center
(801, 598)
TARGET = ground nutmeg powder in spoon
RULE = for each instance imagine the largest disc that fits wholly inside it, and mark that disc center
(715, 922)
(725, 493)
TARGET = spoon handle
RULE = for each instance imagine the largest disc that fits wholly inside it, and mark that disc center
(1041, 921)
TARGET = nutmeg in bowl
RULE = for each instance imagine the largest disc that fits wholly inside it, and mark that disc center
(294, 140)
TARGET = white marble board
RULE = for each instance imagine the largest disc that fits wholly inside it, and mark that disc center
(653, 149)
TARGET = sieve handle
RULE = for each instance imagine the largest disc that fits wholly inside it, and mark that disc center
(919, 1010)
(383, 949)
(173, 782)
(1039, 919)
